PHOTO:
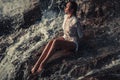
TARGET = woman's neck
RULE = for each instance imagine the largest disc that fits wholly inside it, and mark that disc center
(70, 15)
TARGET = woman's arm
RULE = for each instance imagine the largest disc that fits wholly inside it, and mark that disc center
(76, 30)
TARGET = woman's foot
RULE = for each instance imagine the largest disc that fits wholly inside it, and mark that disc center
(33, 70)
(40, 69)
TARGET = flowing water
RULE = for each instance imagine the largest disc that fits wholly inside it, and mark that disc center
(20, 44)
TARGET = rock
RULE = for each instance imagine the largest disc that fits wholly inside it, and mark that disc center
(16, 14)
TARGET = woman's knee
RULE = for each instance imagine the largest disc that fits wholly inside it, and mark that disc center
(51, 41)
(56, 42)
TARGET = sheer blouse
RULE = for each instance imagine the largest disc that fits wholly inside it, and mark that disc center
(72, 30)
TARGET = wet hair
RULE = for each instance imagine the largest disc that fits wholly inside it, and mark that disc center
(73, 6)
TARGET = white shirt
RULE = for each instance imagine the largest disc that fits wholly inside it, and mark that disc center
(72, 30)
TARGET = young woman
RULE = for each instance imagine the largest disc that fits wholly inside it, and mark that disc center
(68, 41)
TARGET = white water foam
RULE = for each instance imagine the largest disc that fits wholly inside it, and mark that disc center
(24, 44)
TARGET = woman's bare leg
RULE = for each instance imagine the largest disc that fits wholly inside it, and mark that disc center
(43, 55)
(58, 43)
(45, 51)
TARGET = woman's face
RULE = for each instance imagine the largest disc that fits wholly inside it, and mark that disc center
(67, 8)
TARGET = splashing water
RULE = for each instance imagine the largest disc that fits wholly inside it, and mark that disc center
(24, 41)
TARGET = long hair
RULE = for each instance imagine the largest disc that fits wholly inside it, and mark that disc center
(73, 6)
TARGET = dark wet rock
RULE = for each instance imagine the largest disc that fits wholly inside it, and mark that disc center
(31, 16)
(18, 16)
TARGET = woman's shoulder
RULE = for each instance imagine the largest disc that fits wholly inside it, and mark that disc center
(65, 16)
(74, 20)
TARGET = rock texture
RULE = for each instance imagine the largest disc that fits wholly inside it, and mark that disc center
(15, 14)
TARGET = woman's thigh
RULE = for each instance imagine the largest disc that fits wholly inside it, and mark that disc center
(64, 44)
(59, 38)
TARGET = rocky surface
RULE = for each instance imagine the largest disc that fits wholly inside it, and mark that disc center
(27, 25)
(15, 14)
